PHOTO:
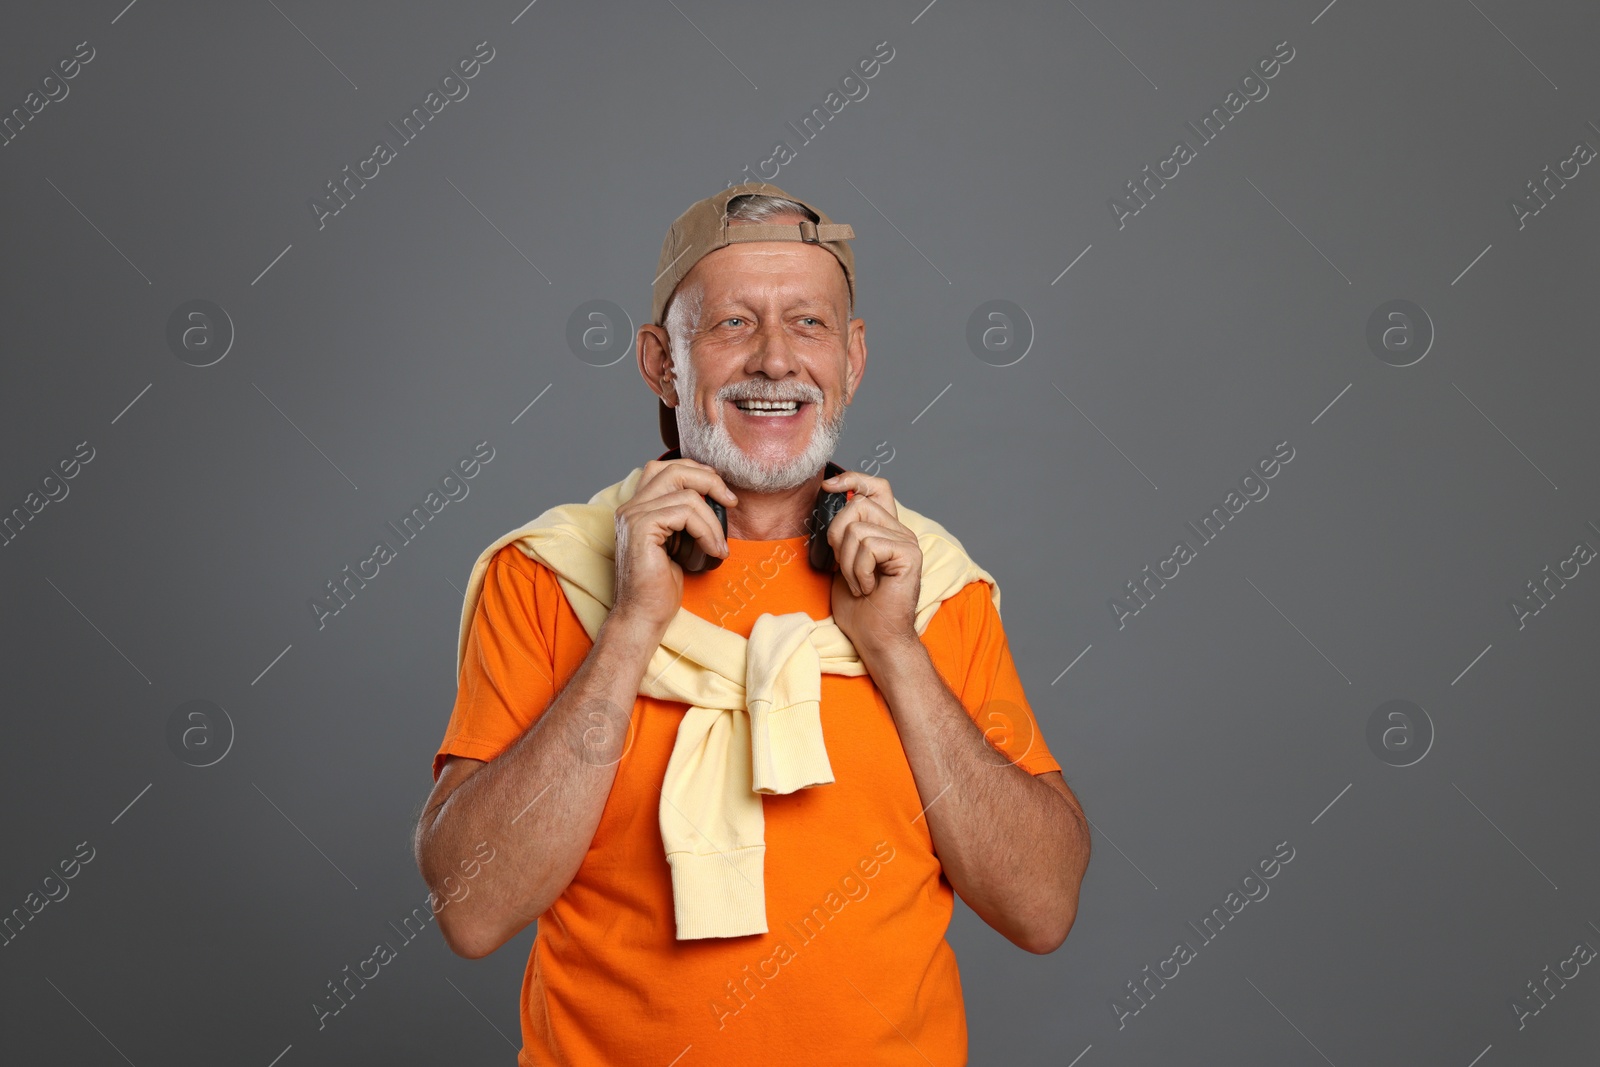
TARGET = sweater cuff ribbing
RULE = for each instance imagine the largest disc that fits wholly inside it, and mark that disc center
(787, 751)
(720, 894)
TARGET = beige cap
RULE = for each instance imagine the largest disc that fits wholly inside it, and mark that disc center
(704, 228)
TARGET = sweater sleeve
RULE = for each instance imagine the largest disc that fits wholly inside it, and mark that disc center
(507, 674)
(968, 645)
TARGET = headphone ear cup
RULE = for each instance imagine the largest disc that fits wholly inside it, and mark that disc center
(686, 551)
(820, 553)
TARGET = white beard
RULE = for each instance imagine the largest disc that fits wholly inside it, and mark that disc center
(711, 444)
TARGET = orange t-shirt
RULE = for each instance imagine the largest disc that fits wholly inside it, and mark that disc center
(854, 967)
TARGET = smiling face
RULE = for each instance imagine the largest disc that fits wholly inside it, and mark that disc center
(765, 358)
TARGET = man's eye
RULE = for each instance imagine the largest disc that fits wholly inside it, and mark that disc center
(812, 318)
(734, 318)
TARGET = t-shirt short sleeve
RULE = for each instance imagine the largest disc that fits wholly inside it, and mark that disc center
(507, 674)
(968, 645)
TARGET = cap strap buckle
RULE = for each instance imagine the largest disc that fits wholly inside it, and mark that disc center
(807, 231)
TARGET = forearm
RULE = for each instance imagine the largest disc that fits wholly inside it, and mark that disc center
(1013, 846)
(539, 802)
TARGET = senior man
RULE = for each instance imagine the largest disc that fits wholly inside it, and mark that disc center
(738, 793)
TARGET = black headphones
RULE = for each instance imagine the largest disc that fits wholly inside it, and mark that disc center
(687, 553)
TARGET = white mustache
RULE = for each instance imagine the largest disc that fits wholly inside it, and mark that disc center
(813, 396)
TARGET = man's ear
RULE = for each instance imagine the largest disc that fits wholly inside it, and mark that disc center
(855, 358)
(655, 362)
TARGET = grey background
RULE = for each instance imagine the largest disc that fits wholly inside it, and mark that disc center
(1227, 316)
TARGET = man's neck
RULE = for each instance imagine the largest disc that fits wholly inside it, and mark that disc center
(773, 516)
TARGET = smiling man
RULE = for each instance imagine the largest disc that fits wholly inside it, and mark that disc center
(739, 800)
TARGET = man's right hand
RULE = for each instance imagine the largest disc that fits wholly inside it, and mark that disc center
(670, 497)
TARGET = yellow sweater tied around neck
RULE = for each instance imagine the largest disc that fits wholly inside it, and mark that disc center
(754, 723)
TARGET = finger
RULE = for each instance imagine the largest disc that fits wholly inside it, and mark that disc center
(680, 496)
(675, 474)
(642, 503)
(869, 517)
(877, 551)
(695, 519)
(863, 508)
(695, 502)
(844, 548)
(864, 563)
(845, 538)
(688, 473)
(864, 484)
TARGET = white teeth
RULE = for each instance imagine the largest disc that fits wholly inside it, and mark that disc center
(768, 407)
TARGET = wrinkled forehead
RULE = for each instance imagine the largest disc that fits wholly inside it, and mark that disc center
(790, 272)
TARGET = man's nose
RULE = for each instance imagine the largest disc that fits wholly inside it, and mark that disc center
(773, 353)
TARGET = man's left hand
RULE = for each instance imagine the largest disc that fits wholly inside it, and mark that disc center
(879, 574)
